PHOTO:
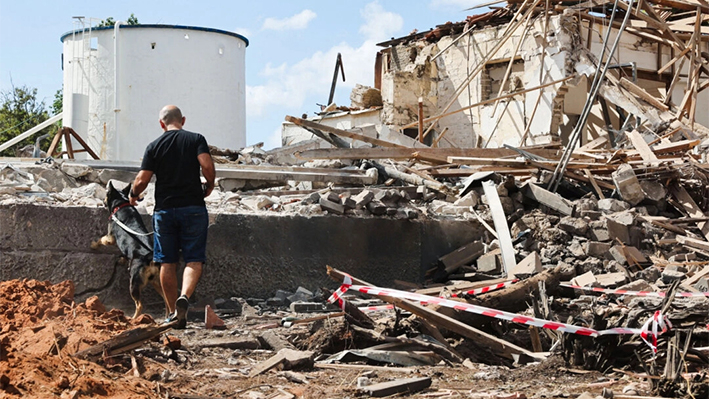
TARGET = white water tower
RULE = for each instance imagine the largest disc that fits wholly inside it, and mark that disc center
(117, 78)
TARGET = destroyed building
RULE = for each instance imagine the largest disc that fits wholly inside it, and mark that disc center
(535, 226)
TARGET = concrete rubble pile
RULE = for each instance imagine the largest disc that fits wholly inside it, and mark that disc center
(594, 256)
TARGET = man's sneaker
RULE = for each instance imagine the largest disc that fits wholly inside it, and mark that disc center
(181, 307)
(181, 323)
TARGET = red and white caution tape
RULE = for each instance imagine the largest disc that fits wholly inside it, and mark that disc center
(483, 290)
(635, 293)
(649, 331)
(376, 308)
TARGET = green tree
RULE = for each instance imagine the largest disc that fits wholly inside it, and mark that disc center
(20, 111)
(132, 20)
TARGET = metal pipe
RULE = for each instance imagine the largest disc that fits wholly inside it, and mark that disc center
(598, 79)
(116, 109)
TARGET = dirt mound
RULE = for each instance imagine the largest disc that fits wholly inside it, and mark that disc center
(41, 328)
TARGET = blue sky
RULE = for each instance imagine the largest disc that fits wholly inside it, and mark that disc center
(289, 61)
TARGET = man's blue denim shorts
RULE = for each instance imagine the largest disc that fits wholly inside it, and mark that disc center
(178, 229)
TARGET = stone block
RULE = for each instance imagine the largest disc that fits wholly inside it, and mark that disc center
(682, 257)
(331, 207)
(257, 202)
(617, 253)
(470, 199)
(617, 230)
(377, 207)
(628, 184)
(531, 264)
(600, 234)
(490, 262)
(306, 307)
(583, 280)
(670, 275)
(637, 285)
(653, 190)
(363, 198)
(301, 295)
(612, 205)
(597, 249)
(611, 280)
(75, 170)
(231, 185)
(702, 285)
(575, 226)
(591, 215)
(332, 197)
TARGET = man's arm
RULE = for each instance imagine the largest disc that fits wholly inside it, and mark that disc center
(207, 164)
(139, 184)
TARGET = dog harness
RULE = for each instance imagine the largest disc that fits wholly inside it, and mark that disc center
(121, 224)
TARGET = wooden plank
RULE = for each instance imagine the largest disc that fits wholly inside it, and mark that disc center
(285, 173)
(408, 153)
(340, 132)
(571, 175)
(407, 385)
(500, 346)
(645, 96)
(693, 242)
(643, 148)
(503, 230)
(466, 286)
(673, 61)
(691, 207)
(598, 190)
(129, 338)
(593, 145)
(697, 276)
(552, 200)
(365, 367)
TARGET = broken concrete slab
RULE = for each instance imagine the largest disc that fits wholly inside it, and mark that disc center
(528, 266)
(289, 358)
(628, 184)
(549, 199)
(406, 385)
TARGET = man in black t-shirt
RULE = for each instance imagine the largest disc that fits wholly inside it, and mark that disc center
(180, 218)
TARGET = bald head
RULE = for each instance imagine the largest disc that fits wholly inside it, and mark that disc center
(170, 115)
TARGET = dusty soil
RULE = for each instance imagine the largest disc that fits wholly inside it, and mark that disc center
(38, 318)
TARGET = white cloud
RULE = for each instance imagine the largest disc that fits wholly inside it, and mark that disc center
(297, 22)
(381, 24)
(289, 86)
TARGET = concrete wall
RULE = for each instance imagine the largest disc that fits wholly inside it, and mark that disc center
(248, 255)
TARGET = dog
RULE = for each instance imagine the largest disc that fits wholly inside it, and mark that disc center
(127, 231)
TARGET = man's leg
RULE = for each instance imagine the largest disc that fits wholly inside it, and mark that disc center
(168, 279)
(190, 278)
